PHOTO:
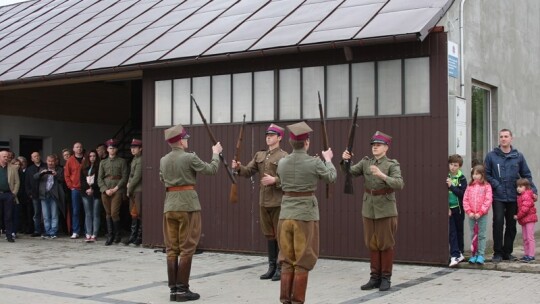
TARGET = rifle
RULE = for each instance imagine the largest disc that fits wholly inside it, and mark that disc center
(214, 141)
(324, 136)
(233, 196)
(348, 176)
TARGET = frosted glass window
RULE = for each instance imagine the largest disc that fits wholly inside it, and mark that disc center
(313, 82)
(181, 101)
(201, 93)
(363, 87)
(289, 94)
(264, 96)
(417, 85)
(221, 99)
(163, 99)
(389, 87)
(242, 96)
(337, 77)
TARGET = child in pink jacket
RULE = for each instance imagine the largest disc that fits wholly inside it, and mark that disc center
(526, 218)
(476, 203)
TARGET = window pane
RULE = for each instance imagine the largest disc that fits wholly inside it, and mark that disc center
(389, 87)
(289, 94)
(417, 85)
(480, 101)
(221, 98)
(163, 103)
(201, 93)
(181, 101)
(264, 96)
(313, 82)
(338, 90)
(363, 87)
(242, 92)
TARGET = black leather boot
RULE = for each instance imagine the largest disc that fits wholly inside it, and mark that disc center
(117, 234)
(138, 240)
(172, 272)
(371, 284)
(385, 284)
(272, 257)
(110, 234)
(133, 236)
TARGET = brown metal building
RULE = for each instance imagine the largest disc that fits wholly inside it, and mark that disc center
(171, 44)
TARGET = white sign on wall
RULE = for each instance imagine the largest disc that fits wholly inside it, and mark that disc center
(461, 126)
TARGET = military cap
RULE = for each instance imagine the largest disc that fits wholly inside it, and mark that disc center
(299, 131)
(275, 129)
(112, 143)
(136, 143)
(176, 133)
(381, 138)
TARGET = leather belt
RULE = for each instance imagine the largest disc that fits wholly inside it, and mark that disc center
(114, 177)
(298, 194)
(379, 191)
(180, 188)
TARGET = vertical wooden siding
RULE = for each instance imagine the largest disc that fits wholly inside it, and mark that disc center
(420, 145)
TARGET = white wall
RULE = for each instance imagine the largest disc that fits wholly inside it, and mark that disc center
(56, 135)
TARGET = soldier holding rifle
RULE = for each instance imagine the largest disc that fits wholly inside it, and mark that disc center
(265, 162)
(298, 227)
(382, 177)
(182, 210)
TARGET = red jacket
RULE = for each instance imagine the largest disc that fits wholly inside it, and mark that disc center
(72, 173)
(526, 209)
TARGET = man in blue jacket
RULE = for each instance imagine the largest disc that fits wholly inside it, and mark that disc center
(504, 166)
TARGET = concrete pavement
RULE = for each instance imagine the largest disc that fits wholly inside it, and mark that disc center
(58, 271)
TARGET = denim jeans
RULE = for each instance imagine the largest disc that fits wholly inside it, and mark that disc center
(92, 211)
(76, 205)
(37, 215)
(50, 215)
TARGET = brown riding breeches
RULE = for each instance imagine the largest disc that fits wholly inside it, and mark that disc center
(112, 204)
(269, 217)
(181, 231)
(379, 234)
(135, 204)
(298, 245)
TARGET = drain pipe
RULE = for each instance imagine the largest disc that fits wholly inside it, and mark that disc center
(462, 62)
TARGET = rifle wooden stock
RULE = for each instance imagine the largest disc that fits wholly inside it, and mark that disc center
(324, 134)
(214, 141)
(233, 196)
(348, 176)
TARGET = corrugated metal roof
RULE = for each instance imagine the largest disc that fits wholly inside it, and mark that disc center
(58, 37)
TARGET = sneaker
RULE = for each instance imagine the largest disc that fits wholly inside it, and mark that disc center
(453, 262)
(480, 260)
(509, 257)
(461, 258)
(44, 237)
(496, 259)
(87, 239)
(52, 237)
(74, 236)
(472, 260)
(14, 235)
(93, 238)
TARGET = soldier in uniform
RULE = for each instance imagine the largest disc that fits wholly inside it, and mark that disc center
(382, 176)
(112, 180)
(182, 209)
(298, 227)
(134, 192)
(265, 162)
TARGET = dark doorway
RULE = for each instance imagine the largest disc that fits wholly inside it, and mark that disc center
(28, 145)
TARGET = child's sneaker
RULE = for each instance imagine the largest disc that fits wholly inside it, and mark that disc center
(480, 260)
(472, 260)
(524, 259)
(461, 258)
(453, 262)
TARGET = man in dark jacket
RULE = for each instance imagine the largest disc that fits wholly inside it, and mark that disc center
(504, 166)
(32, 190)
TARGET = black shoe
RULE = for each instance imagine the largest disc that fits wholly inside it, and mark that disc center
(385, 284)
(184, 296)
(371, 284)
(35, 234)
(509, 257)
(11, 240)
(172, 295)
(496, 259)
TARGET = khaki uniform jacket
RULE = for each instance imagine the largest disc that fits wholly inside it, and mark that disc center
(379, 206)
(180, 168)
(135, 176)
(300, 172)
(265, 162)
(112, 167)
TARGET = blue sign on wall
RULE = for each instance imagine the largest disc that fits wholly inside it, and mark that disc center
(453, 60)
